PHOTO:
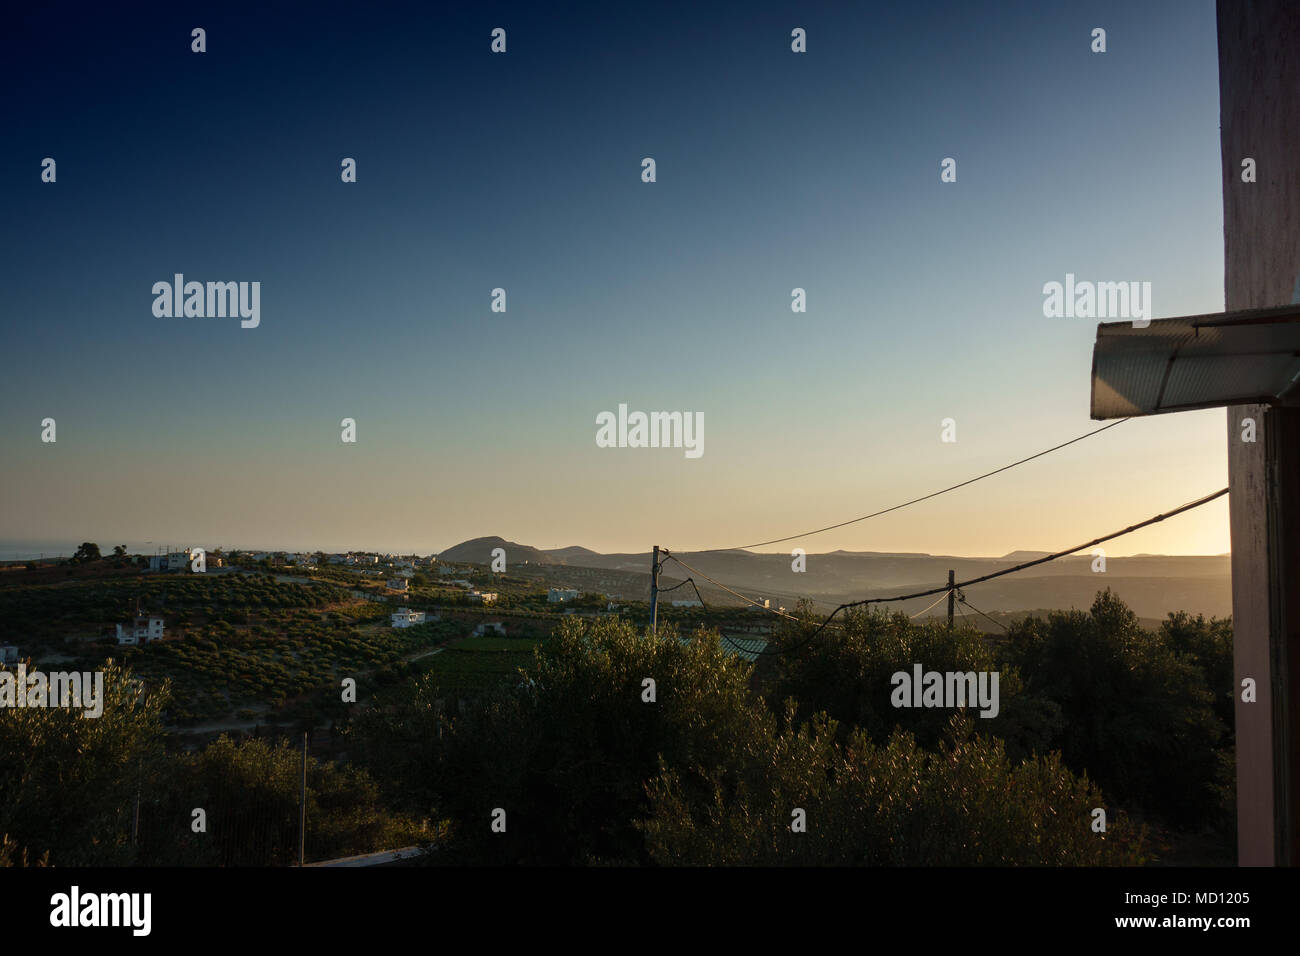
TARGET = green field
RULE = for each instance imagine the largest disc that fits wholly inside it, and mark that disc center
(473, 665)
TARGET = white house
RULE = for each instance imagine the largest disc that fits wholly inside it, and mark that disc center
(398, 584)
(687, 604)
(405, 617)
(142, 631)
(482, 597)
(560, 595)
(496, 627)
(173, 561)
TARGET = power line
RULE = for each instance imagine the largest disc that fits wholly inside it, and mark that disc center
(748, 600)
(678, 585)
(691, 582)
(933, 494)
(727, 637)
(1028, 564)
(943, 589)
(963, 600)
(937, 600)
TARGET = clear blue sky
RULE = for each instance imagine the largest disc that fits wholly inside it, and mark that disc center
(522, 170)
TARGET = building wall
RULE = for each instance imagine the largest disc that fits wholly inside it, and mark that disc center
(1259, 104)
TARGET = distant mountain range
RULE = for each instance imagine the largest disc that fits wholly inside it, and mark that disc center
(1152, 585)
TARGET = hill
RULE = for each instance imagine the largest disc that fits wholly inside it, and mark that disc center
(1152, 585)
(572, 555)
(479, 551)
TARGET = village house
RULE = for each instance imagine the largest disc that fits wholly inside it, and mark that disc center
(405, 617)
(560, 595)
(172, 561)
(495, 627)
(143, 630)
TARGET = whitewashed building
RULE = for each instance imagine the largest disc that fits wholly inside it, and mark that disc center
(560, 595)
(142, 630)
(493, 627)
(405, 617)
(172, 561)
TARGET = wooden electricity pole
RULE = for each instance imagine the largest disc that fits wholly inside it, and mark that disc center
(952, 595)
(654, 590)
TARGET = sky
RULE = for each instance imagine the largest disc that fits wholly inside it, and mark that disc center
(775, 170)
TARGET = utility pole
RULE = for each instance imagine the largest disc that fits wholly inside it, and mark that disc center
(952, 595)
(135, 816)
(654, 590)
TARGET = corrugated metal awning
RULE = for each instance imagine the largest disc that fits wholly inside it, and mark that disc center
(1199, 361)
